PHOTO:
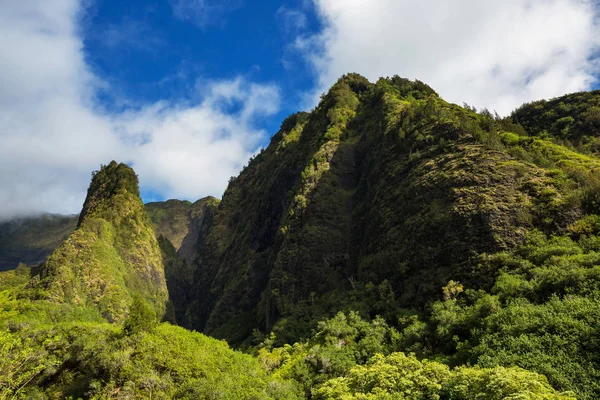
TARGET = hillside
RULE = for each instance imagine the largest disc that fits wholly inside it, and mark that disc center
(30, 240)
(445, 221)
(113, 255)
(387, 244)
(381, 182)
(573, 118)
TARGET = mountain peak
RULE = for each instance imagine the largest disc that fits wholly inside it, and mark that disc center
(113, 255)
(109, 181)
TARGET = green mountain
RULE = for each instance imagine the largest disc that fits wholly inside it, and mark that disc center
(30, 240)
(387, 244)
(382, 182)
(472, 236)
(113, 255)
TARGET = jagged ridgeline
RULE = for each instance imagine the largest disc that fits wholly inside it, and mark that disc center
(113, 255)
(374, 201)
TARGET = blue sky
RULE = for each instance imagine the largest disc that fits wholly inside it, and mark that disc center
(150, 53)
(186, 91)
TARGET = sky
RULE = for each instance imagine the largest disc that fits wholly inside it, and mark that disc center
(186, 91)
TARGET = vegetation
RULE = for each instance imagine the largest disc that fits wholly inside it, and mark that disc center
(111, 257)
(574, 118)
(87, 325)
(387, 245)
(383, 196)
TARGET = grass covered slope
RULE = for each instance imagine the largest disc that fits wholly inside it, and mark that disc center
(30, 240)
(113, 255)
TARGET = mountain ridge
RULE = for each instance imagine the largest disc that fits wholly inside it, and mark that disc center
(388, 242)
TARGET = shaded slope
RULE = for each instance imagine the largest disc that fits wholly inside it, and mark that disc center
(112, 256)
(30, 240)
(182, 223)
(181, 227)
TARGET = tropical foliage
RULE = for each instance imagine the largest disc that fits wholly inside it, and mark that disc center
(386, 245)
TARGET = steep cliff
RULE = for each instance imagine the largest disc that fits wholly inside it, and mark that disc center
(384, 191)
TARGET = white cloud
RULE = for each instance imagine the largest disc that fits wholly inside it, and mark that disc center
(495, 54)
(192, 151)
(53, 133)
(291, 20)
(203, 12)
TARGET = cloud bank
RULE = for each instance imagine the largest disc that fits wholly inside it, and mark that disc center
(54, 132)
(495, 54)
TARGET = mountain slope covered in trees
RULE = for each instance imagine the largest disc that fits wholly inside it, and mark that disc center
(447, 222)
(387, 244)
(113, 255)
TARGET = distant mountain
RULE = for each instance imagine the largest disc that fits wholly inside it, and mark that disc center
(182, 222)
(181, 228)
(30, 240)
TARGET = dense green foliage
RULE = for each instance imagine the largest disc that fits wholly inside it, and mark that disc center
(349, 358)
(98, 361)
(30, 240)
(387, 245)
(574, 118)
(112, 256)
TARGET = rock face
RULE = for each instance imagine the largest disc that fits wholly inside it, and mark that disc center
(182, 223)
(384, 189)
(112, 256)
(181, 228)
